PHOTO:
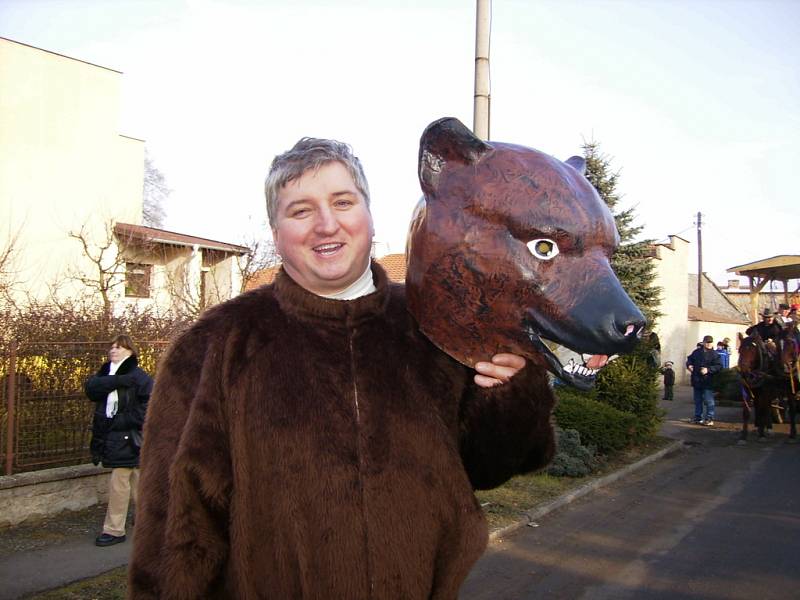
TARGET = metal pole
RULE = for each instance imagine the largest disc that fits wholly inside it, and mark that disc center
(483, 25)
(10, 393)
(699, 262)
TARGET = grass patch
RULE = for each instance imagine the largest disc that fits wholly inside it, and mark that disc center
(108, 586)
(507, 504)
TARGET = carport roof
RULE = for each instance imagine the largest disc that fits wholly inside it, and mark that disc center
(778, 268)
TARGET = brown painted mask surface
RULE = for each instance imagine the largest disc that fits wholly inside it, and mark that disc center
(510, 247)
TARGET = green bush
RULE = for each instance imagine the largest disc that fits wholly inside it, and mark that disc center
(572, 458)
(728, 384)
(599, 424)
(629, 384)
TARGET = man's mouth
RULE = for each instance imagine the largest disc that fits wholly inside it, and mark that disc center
(327, 249)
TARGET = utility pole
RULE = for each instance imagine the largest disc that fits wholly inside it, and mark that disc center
(699, 261)
(483, 26)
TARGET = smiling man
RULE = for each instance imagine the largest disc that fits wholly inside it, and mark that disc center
(304, 440)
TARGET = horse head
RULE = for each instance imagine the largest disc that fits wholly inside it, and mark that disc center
(753, 360)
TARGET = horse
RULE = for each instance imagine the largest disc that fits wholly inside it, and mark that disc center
(762, 382)
(789, 356)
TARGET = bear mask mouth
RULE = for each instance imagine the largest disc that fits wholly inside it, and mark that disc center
(581, 377)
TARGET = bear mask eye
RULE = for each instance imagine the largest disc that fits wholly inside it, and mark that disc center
(543, 249)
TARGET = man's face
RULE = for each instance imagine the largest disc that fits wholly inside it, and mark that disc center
(768, 319)
(324, 229)
(709, 345)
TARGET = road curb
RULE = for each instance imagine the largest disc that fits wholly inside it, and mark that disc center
(532, 515)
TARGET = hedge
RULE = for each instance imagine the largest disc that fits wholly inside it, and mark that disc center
(600, 425)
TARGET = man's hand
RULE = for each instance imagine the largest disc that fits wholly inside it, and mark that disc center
(502, 368)
(703, 370)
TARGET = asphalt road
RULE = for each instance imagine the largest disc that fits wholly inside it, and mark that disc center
(715, 520)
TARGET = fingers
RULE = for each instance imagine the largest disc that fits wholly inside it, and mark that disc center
(502, 368)
(506, 359)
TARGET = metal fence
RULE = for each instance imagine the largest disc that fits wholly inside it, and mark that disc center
(45, 418)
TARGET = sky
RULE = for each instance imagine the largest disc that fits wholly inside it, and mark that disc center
(695, 102)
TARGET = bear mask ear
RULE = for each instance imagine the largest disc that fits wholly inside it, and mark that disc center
(446, 140)
(577, 163)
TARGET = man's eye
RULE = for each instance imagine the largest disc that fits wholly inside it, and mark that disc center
(543, 248)
(300, 212)
(344, 203)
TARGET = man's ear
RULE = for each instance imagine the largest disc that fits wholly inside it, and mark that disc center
(446, 140)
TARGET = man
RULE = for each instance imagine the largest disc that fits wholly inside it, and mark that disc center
(702, 364)
(782, 318)
(767, 329)
(305, 440)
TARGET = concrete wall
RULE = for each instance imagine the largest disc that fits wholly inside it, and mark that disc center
(40, 494)
(672, 261)
(63, 163)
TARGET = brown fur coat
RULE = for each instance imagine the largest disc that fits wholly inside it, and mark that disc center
(299, 447)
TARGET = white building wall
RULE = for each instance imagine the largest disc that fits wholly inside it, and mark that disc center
(672, 328)
(63, 164)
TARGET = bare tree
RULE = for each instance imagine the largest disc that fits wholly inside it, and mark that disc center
(262, 256)
(108, 254)
(8, 272)
(154, 194)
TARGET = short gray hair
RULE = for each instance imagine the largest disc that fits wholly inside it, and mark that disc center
(308, 154)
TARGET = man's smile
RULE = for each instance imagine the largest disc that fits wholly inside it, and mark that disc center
(327, 249)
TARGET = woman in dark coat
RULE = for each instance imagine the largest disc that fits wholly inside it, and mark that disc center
(120, 391)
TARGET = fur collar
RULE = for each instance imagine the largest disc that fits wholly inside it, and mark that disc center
(304, 305)
(127, 366)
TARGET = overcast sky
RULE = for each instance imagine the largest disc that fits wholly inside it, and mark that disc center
(695, 102)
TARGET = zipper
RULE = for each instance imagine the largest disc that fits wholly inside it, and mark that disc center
(360, 458)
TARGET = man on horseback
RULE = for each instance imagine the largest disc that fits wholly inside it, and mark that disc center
(702, 364)
(767, 329)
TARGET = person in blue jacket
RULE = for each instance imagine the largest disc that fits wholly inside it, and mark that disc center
(120, 391)
(703, 363)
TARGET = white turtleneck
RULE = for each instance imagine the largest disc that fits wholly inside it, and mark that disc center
(360, 287)
(112, 400)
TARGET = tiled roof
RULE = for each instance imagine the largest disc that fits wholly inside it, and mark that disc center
(702, 314)
(395, 266)
(162, 236)
(262, 277)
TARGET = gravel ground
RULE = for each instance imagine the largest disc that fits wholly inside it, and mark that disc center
(50, 531)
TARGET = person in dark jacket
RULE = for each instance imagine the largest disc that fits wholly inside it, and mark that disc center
(669, 380)
(120, 391)
(768, 328)
(702, 364)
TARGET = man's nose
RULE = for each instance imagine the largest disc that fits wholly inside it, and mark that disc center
(326, 222)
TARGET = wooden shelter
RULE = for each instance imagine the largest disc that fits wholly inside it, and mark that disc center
(778, 268)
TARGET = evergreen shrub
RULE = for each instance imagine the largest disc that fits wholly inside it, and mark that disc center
(728, 384)
(572, 458)
(630, 384)
(600, 425)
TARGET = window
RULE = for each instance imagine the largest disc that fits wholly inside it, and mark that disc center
(137, 280)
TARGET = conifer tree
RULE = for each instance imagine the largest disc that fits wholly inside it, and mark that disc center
(632, 261)
(629, 383)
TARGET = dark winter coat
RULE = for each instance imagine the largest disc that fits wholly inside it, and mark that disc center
(301, 447)
(669, 375)
(112, 439)
(766, 331)
(709, 359)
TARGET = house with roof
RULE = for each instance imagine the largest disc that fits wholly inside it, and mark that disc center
(71, 188)
(690, 312)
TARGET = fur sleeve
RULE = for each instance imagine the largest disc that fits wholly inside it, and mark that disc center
(181, 523)
(506, 430)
